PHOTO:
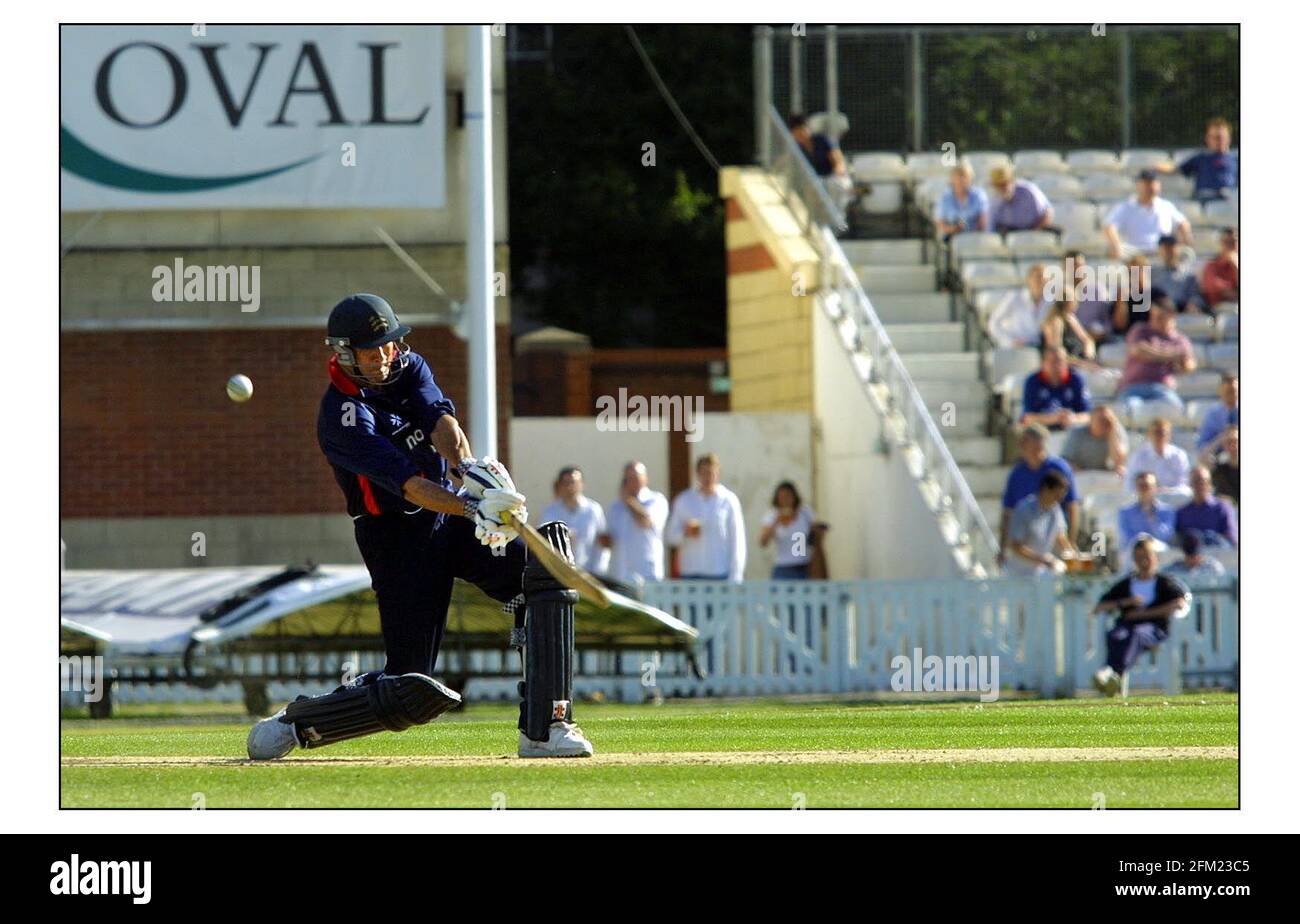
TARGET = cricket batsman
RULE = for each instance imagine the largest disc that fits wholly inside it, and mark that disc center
(393, 440)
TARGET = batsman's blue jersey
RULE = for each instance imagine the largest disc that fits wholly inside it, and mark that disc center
(376, 439)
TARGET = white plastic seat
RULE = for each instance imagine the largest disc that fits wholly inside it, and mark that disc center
(1176, 186)
(1229, 325)
(1194, 412)
(929, 191)
(1200, 384)
(984, 161)
(1221, 213)
(885, 198)
(1198, 326)
(1039, 162)
(1143, 412)
(982, 274)
(1088, 161)
(1016, 362)
(926, 164)
(987, 299)
(878, 166)
(1205, 241)
(1112, 354)
(1137, 159)
(1107, 186)
(1191, 210)
(1033, 244)
(974, 245)
(1088, 482)
(1074, 216)
(1059, 187)
(1092, 244)
(1102, 384)
(1224, 356)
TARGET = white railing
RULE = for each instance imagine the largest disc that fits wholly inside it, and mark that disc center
(887, 368)
(803, 191)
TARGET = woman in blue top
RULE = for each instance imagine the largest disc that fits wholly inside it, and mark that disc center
(963, 206)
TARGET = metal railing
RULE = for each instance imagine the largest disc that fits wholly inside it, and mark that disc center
(803, 191)
(887, 368)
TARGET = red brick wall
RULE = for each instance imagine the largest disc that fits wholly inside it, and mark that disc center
(146, 428)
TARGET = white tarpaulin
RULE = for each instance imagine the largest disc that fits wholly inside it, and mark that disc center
(252, 117)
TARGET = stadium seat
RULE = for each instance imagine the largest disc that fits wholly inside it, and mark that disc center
(1192, 211)
(1225, 357)
(879, 166)
(981, 245)
(1221, 214)
(1136, 159)
(885, 198)
(1142, 413)
(925, 164)
(1182, 154)
(1059, 187)
(1090, 481)
(984, 161)
(1228, 324)
(1198, 326)
(1185, 439)
(1074, 215)
(1112, 354)
(1093, 161)
(1102, 383)
(985, 300)
(929, 191)
(1033, 244)
(1195, 411)
(980, 274)
(1201, 384)
(1016, 362)
(1107, 186)
(1092, 244)
(1176, 186)
(1039, 162)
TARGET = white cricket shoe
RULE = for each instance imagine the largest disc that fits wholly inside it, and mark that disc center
(1106, 681)
(565, 740)
(271, 738)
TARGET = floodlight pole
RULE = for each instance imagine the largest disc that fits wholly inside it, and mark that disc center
(479, 241)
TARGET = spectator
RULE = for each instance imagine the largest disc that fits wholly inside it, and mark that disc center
(1056, 396)
(1017, 320)
(584, 517)
(636, 528)
(1101, 445)
(794, 527)
(1219, 278)
(1212, 518)
(1149, 516)
(1193, 564)
(1223, 459)
(1135, 295)
(1095, 307)
(1062, 330)
(1037, 530)
(1025, 476)
(1137, 224)
(1215, 168)
(1156, 353)
(708, 528)
(1176, 279)
(963, 205)
(1222, 415)
(1145, 600)
(1159, 456)
(1020, 205)
(826, 158)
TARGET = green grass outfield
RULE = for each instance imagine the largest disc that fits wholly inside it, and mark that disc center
(1147, 752)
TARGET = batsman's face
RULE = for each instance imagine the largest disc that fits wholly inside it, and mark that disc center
(376, 363)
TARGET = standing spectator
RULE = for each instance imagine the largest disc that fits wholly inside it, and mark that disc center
(1215, 168)
(1037, 530)
(1156, 353)
(1212, 518)
(1149, 516)
(1193, 564)
(1219, 278)
(794, 527)
(708, 528)
(1223, 458)
(1102, 445)
(1056, 396)
(584, 517)
(1222, 415)
(1094, 300)
(1020, 205)
(1176, 279)
(1145, 600)
(963, 205)
(1159, 456)
(1017, 320)
(636, 528)
(1137, 224)
(1062, 330)
(1027, 474)
(825, 157)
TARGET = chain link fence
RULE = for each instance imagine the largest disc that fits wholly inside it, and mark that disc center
(1008, 87)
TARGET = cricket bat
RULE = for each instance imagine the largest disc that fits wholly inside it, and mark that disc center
(570, 575)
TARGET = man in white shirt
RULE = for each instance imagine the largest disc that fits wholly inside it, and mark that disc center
(1017, 321)
(708, 528)
(584, 517)
(1137, 224)
(1162, 458)
(635, 528)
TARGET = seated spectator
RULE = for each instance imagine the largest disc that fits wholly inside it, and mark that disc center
(1062, 330)
(1101, 445)
(1037, 530)
(1193, 564)
(1157, 353)
(1134, 297)
(1056, 396)
(1159, 456)
(1096, 307)
(826, 158)
(1149, 515)
(1025, 477)
(1212, 518)
(1223, 458)
(1137, 224)
(1176, 279)
(1018, 319)
(584, 517)
(1222, 415)
(794, 526)
(963, 205)
(1019, 204)
(1146, 600)
(1219, 278)
(1214, 169)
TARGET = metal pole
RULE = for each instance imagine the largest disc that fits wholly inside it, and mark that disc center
(796, 74)
(918, 92)
(833, 74)
(1125, 89)
(762, 94)
(479, 257)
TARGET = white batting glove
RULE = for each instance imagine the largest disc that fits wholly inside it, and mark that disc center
(493, 527)
(482, 475)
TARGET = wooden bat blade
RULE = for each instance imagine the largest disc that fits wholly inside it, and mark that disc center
(570, 575)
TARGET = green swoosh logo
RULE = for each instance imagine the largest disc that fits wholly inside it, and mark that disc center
(80, 159)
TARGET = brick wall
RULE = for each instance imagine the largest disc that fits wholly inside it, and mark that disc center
(146, 428)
